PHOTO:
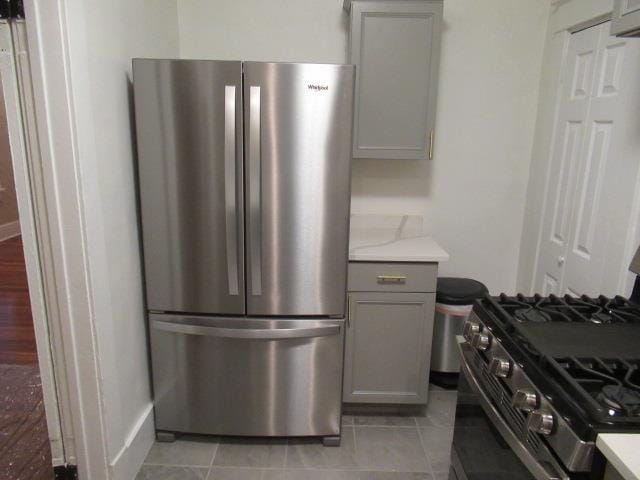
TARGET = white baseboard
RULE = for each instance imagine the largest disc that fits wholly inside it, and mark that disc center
(9, 230)
(129, 459)
(56, 446)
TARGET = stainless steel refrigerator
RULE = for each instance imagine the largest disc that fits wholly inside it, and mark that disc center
(244, 184)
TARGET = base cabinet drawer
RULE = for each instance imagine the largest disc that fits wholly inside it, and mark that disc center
(392, 277)
(388, 345)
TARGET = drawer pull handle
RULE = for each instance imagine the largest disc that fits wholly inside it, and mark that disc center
(392, 279)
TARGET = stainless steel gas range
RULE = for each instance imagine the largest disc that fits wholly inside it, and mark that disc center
(542, 376)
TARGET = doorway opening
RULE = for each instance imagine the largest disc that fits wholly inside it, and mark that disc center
(26, 391)
(24, 439)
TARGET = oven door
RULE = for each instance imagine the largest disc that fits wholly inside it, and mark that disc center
(484, 445)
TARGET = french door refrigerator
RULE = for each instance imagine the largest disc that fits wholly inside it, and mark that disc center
(244, 185)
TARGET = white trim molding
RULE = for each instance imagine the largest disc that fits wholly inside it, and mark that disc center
(70, 307)
(129, 459)
(9, 230)
(25, 156)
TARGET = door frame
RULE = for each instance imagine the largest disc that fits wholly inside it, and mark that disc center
(43, 141)
(14, 70)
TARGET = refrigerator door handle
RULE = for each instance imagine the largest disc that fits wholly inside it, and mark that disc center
(255, 253)
(231, 212)
(248, 333)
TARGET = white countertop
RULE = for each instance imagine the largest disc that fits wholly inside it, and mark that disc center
(387, 238)
(622, 451)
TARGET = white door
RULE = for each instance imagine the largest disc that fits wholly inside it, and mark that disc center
(593, 171)
(576, 81)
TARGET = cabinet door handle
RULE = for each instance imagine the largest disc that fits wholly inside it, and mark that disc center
(392, 279)
(431, 145)
(348, 310)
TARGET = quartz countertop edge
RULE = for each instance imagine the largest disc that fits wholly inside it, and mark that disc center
(421, 249)
(385, 246)
(622, 452)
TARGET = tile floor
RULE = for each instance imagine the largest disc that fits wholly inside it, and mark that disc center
(373, 447)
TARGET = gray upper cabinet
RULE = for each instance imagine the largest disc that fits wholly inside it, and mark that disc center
(625, 21)
(395, 45)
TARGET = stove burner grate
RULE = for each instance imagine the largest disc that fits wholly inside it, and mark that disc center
(584, 309)
(532, 315)
(608, 388)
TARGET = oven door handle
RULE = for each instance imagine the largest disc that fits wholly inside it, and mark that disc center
(539, 471)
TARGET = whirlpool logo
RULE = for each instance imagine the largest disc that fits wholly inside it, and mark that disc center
(317, 88)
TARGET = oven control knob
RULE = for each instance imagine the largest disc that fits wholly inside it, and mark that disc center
(540, 421)
(525, 400)
(500, 367)
(480, 341)
(469, 329)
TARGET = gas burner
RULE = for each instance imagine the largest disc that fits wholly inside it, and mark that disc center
(531, 315)
(620, 400)
(600, 317)
(611, 385)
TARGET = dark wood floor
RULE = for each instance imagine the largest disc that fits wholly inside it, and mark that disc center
(24, 441)
(17, 340)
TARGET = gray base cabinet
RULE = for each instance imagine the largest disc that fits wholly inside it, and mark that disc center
(389, 333)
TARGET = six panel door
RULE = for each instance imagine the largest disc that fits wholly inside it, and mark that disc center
(577, 78)
(607, 173)
(593, 170)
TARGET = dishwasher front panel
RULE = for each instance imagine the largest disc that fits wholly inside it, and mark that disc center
(253, 377)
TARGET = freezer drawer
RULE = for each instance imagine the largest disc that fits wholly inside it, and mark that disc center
(254, 377)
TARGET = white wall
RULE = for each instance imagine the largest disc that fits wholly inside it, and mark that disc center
(281, 31)
(103, 37)
(472, 195)
(563, 16)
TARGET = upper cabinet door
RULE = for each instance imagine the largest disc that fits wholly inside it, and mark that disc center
(395, 46)
(298, 121)
(189, 129)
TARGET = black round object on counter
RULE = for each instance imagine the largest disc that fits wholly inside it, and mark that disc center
(459, 291)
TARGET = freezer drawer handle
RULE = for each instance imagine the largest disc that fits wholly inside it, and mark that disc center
(230, 187)
(248, 333)
(254, 191)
